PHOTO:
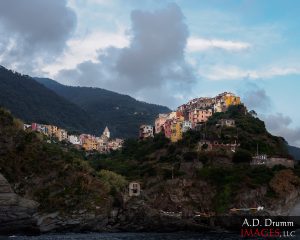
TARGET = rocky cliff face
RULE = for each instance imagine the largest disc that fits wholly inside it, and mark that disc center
(17, 213)
(169, 206)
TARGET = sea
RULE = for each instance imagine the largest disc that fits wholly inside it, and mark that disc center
(133, 236)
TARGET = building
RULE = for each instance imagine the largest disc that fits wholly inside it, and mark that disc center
(106, 132)
(218, 107)
(88, 142)
(146, 131)
(273, 161)
(61, 134)
(134, 189)
(159, 122)
(115, 144)
(167, 128)
(51, 130)
(263, 159)
(226, 123)
(231, 99)
(186, 125)
(172, 115)
(26, 126)
(74, 139)
(176, 129)
(199, 116)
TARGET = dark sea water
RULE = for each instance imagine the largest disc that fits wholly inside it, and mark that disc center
(131, 236)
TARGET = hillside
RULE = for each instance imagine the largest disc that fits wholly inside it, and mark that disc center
(121, 113)
(81, 109)
(295, 152)
(57, 179)
(217, 179)
(79, 192)
(32, 102)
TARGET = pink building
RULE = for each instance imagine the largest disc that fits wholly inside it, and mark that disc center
(159, 122)
(199, 116)
(167, 128)
(34, 126)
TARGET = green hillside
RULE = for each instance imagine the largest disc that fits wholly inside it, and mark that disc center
(32, 102)
(81, 109)
(57, 178)
(121, 113)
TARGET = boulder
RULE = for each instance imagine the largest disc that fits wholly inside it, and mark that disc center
(16, 213)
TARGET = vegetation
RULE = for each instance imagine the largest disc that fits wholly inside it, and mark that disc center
(250, 132)
(58, 179)
(79, 109)
(32, 102)
(121, 113)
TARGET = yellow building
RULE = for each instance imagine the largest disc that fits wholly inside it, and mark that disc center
(231, 99)
(61, 134)
(90, 143)
(176, 129)
(51, 130)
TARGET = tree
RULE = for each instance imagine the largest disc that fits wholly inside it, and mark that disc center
(242, 156)
(253, 113)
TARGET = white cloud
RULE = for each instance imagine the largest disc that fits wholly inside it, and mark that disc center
(195, 44)
(225, 72)
(86, 49)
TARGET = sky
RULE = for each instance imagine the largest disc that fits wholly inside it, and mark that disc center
(164, 52)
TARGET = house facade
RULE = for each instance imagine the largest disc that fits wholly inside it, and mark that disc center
(146, 131)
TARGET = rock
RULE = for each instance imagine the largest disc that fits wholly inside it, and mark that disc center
(16, 213)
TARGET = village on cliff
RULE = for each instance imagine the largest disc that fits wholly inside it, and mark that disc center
(190, 116)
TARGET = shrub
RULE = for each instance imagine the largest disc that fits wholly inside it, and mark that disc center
(114, 181)
(242, 156)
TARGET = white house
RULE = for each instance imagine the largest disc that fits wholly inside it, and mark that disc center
(186, 125)
(74, 139)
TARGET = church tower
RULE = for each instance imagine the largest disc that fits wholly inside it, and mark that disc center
(106, 132)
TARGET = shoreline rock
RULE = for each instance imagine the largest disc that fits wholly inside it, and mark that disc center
(16, 215)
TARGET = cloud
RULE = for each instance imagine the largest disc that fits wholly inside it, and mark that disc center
(85, 48)
(34, 29)
(255, 97)
(228, 72)
(280, 125)
(195, 44)
(152, 64)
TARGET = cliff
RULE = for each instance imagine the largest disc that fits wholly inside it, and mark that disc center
(17, 213)
(183, 188)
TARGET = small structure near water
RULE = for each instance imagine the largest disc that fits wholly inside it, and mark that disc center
(134, 189)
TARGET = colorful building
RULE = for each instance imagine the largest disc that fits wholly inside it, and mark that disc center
(89, 142)
(146, 131)
(186, 125)
(159, 122)
(176, 129)
(51, 130)
(74, 139)
(231, 99)
(199, 116)
(167, 128)
(61, 134)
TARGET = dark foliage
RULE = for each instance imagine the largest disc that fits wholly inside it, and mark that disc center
(121, 113)
(32, 102)
(59, 179)
(242, 156)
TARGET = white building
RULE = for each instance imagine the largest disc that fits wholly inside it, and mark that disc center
(134, 189)
(106, 132)
(186, 125)
(146, 131)
(74, 139)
